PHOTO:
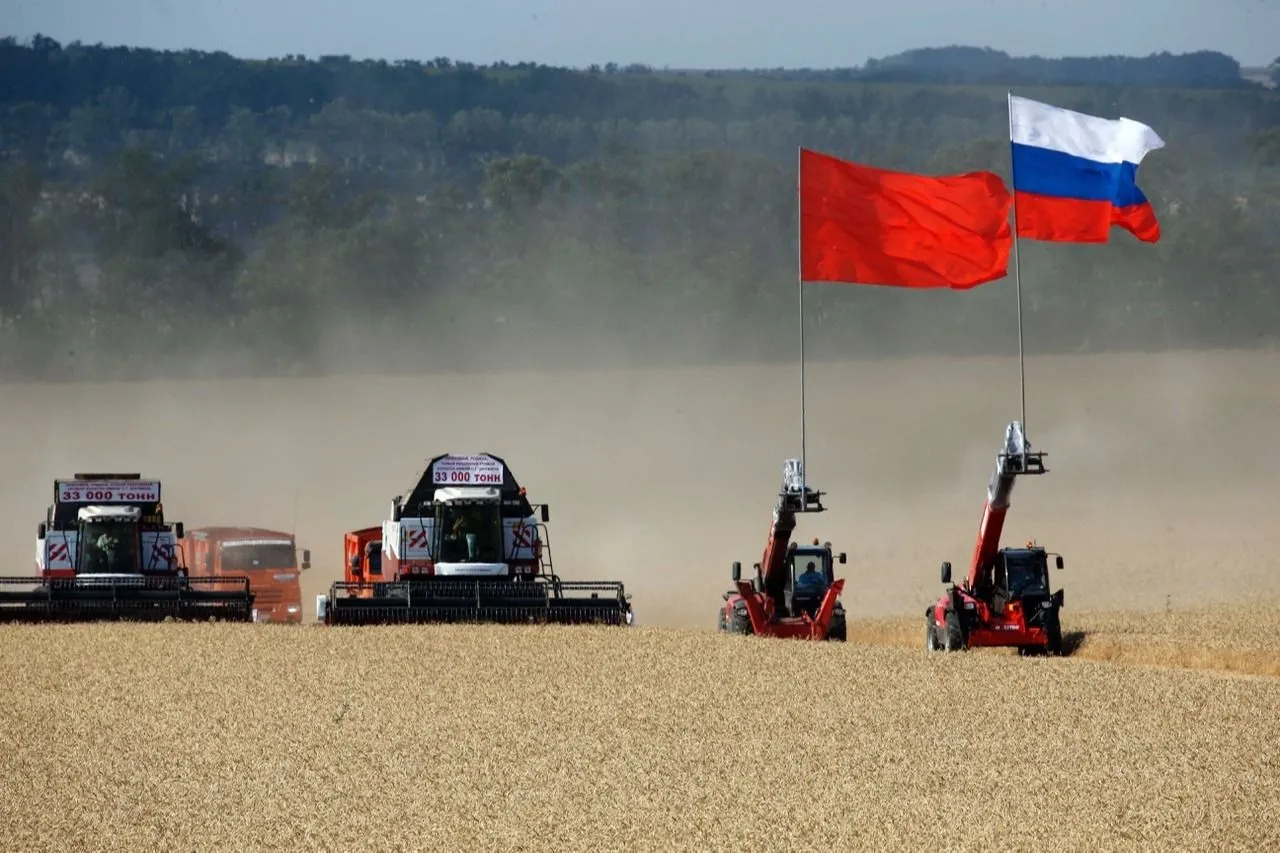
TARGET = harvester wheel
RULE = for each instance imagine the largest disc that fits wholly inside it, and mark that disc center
(954, 636)
(721, 623)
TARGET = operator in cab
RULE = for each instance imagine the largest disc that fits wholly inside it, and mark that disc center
(105, 554)
(811, 581)
(459, 534)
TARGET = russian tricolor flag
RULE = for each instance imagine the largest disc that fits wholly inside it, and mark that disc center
(1075, 175)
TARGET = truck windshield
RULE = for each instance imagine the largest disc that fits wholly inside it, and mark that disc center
(110, 547)
(470, 533)
(244, 558)
(1026, 574)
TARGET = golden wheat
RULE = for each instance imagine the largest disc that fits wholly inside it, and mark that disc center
(1238, 638)
(221, 737)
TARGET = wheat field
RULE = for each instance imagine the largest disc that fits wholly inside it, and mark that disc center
(1158, 732)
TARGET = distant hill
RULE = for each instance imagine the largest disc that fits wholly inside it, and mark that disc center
(960, 64)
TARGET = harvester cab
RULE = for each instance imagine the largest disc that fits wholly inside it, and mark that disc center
(109, 540)
(464, 545)
(468, 534)
(106, 552)
(795, 592)
(1005, 599)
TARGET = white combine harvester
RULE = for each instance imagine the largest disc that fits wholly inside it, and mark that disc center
(105, 552)
(464, 545)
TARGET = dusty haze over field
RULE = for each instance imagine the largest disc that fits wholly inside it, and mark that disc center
(1161, 491)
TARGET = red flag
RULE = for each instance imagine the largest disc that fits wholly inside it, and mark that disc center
(862, 225)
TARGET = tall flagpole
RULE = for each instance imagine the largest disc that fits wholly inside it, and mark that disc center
(1017, 266)
(800, 291)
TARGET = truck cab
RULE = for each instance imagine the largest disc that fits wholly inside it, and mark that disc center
(269, 558)
(362, 555)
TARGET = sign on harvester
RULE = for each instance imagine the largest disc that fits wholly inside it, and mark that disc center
(108, 491)
(468, 471)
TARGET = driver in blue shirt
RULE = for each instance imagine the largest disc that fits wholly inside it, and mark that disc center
(811, 580)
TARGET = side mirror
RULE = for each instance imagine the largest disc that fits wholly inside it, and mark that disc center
(546, 513)
(395, 508)
(306, 559)
(842, 558)
(354, 562)
(1058, 561)
(946, 571)
(736, 571)
(178, 530)
(40, 530)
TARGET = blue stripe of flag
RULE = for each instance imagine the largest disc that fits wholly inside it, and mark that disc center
(1053, 173)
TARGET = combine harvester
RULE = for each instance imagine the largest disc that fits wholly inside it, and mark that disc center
(784, 600)
(463, 545)
(105, 552)
(1005, 600)
(269, 558)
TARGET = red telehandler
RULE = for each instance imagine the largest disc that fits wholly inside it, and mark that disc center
(781, 601)
(1005, 600)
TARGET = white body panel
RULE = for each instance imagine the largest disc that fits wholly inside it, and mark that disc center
(471, 570)
(56, 551)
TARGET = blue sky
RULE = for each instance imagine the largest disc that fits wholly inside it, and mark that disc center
(680, 33)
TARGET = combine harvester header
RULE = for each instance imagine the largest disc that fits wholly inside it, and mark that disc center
(105, 551)
(464, 544)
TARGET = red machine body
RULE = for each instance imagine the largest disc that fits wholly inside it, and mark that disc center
(1005, 598)
(779, 601)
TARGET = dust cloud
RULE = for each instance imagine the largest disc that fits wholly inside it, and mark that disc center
(1161, 490)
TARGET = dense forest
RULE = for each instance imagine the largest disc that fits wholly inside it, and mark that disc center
(183, 212)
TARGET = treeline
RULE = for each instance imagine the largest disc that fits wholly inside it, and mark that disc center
(957, 64)
(170, 212)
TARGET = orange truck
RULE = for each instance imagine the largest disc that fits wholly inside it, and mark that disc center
(268, 557)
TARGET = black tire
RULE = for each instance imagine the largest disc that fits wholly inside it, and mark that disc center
(836, 633)
(930, 634)
(1053, 628)
(721, 624)
(953, 637)
(741, 624)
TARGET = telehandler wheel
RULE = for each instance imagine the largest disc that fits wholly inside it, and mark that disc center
(1053, 627)
(930, 634)
(954, 636)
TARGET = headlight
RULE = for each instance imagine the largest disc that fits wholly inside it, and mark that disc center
(292, 608)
